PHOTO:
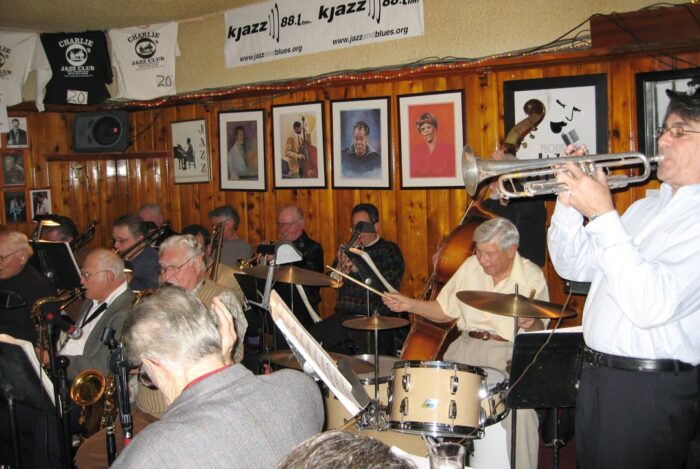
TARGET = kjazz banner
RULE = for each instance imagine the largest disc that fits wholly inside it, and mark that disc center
(282, 29)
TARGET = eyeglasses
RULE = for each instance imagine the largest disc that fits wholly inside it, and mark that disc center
(144, 379)
(675, 132)
(288, 224)
(2, 258)
(86, 275)
(173, 269)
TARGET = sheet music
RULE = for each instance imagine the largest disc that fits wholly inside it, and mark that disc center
(368, 261)
(312, 352)
(28, 349)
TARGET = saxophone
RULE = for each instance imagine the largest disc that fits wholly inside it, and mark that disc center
(65, 299)
(91, 388)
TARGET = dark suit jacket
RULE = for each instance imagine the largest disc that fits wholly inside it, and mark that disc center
(18, 137)
(95, 354)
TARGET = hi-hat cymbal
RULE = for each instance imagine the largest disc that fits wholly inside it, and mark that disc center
(287, 359)
(292, 274)
(375, 323)
(517, 306)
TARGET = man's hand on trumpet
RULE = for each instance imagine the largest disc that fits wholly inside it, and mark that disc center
(590, 196)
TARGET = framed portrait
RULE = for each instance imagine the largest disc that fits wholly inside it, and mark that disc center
(41, 202)
(13, 173)
(242, 150)
(298, 142)
(431, 135)
(15, 207)
(190, 151)
(17, 135)
(575, 112)
(652, 102)
(361, 143)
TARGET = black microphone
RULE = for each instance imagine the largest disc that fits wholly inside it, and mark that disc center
(64, 323)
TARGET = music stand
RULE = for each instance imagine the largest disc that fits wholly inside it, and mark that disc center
(551, 381)
(57, 263)
(19, 382)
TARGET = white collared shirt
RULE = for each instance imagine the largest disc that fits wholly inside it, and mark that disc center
(77, 346)
(644, 300)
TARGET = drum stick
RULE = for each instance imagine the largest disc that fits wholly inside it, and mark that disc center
(346, 276)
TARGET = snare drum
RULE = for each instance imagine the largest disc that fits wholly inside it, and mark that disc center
(435, 398)
(337, 415)
(494, 404)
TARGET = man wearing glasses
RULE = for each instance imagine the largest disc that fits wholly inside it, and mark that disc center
(641, 320)
(107, 302)
(303, 300)
(354, 300)
(20, 286)
(182, 264)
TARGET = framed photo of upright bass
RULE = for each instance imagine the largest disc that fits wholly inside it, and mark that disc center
(298, 145)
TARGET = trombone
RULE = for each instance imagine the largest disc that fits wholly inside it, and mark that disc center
(530, 178)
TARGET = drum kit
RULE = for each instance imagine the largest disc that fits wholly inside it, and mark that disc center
(416, 402)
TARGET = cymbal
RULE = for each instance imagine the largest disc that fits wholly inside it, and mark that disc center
(287, 359)
(292, 274)
(517, 306)
(375, 323)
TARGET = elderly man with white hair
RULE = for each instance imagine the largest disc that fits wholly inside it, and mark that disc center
(218, 415)
(20, 286)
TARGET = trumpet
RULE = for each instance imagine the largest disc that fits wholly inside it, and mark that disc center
(538, 177)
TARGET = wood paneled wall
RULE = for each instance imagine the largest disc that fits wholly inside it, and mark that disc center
(418, 219)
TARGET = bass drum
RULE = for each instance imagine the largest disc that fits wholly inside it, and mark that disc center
(436, 398)
(337, 415)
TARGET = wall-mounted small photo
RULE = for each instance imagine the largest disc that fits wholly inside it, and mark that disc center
(17, 136)
(13, 170)
(15, 207)
(41, 202)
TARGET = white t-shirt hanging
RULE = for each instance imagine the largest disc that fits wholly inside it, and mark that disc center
(20, 53)
(144, 58)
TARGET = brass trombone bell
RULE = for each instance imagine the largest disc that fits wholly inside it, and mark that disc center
(87, 388)
(530, 178)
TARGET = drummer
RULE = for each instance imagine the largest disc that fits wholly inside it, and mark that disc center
(487, 339)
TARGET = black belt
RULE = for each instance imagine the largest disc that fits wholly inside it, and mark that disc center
(604, 360)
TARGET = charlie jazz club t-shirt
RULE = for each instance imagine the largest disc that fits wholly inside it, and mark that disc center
(81, 67)
(144, 57)
(20, 53)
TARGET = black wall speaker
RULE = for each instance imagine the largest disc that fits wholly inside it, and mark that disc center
(106, 131)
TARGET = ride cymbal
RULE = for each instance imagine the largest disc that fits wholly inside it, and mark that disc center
(513, 305)
(375, 323)
(292, 274)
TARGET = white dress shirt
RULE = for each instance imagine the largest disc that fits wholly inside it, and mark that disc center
(644, 299)
(76, 347)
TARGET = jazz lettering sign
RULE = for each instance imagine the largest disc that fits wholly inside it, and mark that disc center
(280, 30)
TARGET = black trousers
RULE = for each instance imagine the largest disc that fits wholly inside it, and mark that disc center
(637, 419)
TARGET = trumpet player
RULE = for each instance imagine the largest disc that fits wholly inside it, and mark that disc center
(641, 320)
(353, 300)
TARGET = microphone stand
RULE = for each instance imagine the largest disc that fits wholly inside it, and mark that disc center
(59, 365)
(119, 367)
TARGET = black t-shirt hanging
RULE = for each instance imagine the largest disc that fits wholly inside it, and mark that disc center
(81, 67)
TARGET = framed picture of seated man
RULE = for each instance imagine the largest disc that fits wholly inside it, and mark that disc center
(242, 150)
(190, 151)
